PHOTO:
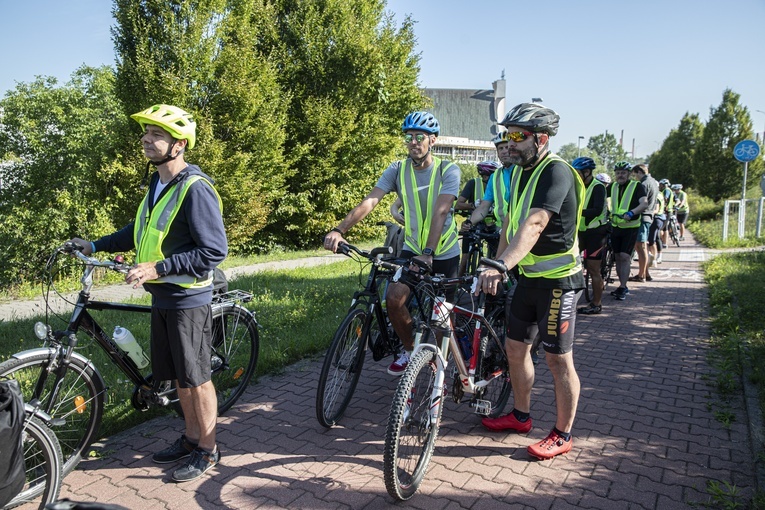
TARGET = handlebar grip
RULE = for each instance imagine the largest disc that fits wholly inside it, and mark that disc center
(383, 250)
(494, 264)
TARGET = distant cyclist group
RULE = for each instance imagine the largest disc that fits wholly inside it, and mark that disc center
(551, 216)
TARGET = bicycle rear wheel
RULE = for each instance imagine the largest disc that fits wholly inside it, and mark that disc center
(492, 366)
(79, 402)
(235, 348)
(342, 368)
(674, 233)
(43, 463)
(411, 433)
(588, 292)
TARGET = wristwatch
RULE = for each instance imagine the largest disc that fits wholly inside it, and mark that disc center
(428, 252)
(160, 268)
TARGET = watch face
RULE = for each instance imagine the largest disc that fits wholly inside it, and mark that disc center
(427, 251)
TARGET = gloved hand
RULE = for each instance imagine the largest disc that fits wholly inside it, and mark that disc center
(628, 215)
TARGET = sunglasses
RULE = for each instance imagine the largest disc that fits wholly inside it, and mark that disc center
(515, 136)
(419, 137)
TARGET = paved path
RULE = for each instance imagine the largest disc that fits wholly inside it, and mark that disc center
(645, 436)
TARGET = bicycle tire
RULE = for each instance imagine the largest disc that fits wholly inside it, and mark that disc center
(235, 350)
(588, 290)
(473, 261)
(80, 400)
(607, 267)
(410, 436)
(492, 360)
(43, 464)
(342, 367)
(674, 233)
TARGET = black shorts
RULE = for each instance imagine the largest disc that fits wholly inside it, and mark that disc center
(592, 241)
(552, 310)
(450, 268)
(623, 239)
(181, 344)
(682, 217)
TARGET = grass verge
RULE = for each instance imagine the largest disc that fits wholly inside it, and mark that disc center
(735, 283)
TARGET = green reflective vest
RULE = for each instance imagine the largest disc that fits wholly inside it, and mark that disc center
(661, 204)
(417, 226)
(151, 228)
(682, 196)
(556, 265)
(621, 207)
(601, 218)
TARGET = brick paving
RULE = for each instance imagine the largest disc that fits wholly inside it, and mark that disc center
(645, 436)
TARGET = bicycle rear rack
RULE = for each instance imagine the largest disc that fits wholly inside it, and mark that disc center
(232, 296)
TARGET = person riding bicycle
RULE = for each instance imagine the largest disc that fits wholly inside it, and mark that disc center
(539, 235)
(469, 200)
(682, 209)
(593, 230)
(180, 240)
(427, 186)
(628, 200)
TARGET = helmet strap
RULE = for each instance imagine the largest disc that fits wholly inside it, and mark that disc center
(168, 157)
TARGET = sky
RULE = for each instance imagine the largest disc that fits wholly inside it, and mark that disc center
(603, 65)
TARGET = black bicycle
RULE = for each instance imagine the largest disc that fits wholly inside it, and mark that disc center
(607, 262)
(365, 326)
(70, 389)
(674, 230)
(479, 238)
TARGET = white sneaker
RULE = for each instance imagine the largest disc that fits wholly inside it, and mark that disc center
(398, 367)
(658, 259)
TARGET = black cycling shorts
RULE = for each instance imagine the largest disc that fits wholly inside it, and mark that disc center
(623, 239)
(181, 345)
(682, 217)
(552, 310)
(592, 241)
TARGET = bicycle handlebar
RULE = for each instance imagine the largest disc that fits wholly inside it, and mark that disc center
(74, 249)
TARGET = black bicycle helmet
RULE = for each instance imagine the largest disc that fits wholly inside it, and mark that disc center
(583, 163)
(534, 117)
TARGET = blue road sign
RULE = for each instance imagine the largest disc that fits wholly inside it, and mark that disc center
(746, 150)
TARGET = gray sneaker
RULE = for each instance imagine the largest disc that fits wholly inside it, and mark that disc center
(180, 449)
(201, 462)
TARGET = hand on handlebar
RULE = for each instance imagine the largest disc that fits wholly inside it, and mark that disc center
(491, 279)
(141, 273)
(332, 240)
(76, 243)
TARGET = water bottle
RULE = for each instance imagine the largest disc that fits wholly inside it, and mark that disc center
(126, 341)
(465, 345)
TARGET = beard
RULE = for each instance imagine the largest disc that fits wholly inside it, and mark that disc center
(522, 157)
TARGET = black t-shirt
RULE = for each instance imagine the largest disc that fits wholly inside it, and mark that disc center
(556, 193)
(468, 191)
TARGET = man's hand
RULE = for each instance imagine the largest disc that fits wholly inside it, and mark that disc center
(141, 273)
(466, 226)
(86, 247)
(489, 282)
(332, 240)
(425, 259)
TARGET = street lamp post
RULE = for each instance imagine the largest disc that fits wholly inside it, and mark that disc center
(579, 146)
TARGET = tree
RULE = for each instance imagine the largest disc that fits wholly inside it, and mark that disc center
(61, 174)
(717, 173)
(570, 152)
(607, 149)
(675, 158)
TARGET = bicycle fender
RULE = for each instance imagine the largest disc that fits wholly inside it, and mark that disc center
(51, 351)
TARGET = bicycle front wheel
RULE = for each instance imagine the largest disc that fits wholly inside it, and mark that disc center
(411, 433)
(43, 463)
(342, 368)
(492, 367)
(78, 403)
(588, 290)
(235, 348)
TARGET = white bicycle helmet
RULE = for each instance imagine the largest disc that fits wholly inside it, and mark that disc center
(604, 178)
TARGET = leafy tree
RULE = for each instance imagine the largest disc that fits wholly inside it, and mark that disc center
(607, 149)
(675, 159)
(570, 152)
(62, 176)
(717, 173)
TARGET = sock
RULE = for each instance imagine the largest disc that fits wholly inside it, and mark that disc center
(521, 417)
(565, 435)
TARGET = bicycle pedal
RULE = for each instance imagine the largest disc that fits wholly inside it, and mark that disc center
(482, 407)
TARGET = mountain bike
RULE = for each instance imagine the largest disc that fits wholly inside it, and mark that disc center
(479, 236)
(43, 461)
(481, 371)
(674, 230)
(71, 390)
(607, 262)
(365, 326)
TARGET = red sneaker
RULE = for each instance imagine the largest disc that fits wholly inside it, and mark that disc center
(507, 422)
(551, 446)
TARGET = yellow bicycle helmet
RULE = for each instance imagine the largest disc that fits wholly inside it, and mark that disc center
(172, 119)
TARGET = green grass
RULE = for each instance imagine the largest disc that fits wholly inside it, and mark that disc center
(736, 299)
(297, 310)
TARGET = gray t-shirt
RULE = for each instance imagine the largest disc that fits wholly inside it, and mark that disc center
(651, 187)
(389, 182)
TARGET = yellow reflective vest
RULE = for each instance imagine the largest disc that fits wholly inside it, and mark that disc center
(151, 228)
(601, 218)
(622, 206)
(556, 265)
(417, 226)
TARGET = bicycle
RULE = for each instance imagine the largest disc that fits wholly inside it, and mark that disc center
(71, 390)
(43, 461)
(481, 370)
(477, 237)
(607, 263)
(365, 326)
(674, 230)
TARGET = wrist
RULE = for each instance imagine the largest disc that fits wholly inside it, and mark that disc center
(337, 229)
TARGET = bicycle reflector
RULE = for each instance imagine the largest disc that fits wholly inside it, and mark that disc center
(79, 404)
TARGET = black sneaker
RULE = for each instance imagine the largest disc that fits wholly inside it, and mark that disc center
(201, 462)
(590, 309)
(180, 449)
(621, 293)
